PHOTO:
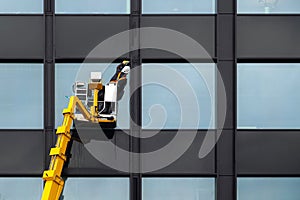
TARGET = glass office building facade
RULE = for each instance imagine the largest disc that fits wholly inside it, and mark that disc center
(253, 46)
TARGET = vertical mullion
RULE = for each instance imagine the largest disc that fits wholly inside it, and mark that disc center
(135, 100)
(235, 94)
(48, 77)
(226, 61)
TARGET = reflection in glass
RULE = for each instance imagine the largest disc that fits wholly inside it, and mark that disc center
(67, 74)
(96, 188)
(21, 6)
(92, 6)
(178, 6)
(267, 96)
(268, 6)
(21, 188)
(21, 99)
(161, 106)
(178, 188)
(268, 188)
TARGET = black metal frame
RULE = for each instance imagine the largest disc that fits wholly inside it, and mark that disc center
(227, 159)
(135, 99)
(226, 165)
(49, 77)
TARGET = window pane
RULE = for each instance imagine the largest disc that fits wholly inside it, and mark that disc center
(268, 188)
(267, 96)
(21, 188)
(268, 6)
(21, 6)
(161, 98)
(21, 96)
(178, 6)
(178, 188)
(93, 6)
(67, 74)
(96, 188)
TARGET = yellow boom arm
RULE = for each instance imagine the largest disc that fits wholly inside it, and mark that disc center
(53, 181)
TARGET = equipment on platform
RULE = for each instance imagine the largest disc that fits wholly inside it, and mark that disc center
(92, 102)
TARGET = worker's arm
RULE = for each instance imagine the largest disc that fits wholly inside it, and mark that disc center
(120, 78)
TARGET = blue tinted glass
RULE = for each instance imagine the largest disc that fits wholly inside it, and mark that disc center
(67, 74)
(21, 99)
(167, 100)
(93, 6)
(268, 6)
(21, 6)
(268, 188)
(21, 188)
(267, 96)
(178, 6)
(178, 188)
(96, 188)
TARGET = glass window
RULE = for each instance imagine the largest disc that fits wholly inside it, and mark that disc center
(21, 188)
(92, 6)
(175, 95)
(96, 188)
(21, 99)
(268, 188)
(21, 6)
(67, 74)
(267, 96)
(178, 188)
(268, 6)
(178, 6)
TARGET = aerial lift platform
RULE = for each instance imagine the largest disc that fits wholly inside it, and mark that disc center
(92, 103)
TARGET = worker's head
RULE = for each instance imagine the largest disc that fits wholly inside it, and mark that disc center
(126, 70)
(124, 67)
(122, 70)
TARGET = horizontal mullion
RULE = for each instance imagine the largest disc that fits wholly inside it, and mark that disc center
(168, 60)
(268, 60)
